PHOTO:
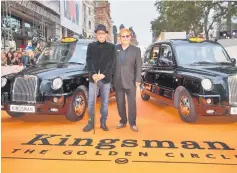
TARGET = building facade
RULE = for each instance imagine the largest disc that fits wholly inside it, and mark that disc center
(102, 10)
(88, 19)
(71, 17)
(41, 21)
(28, 20)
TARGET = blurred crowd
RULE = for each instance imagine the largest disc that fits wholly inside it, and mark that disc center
(21, 57)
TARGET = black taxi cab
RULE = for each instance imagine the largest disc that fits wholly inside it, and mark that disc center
(195, 76)
(56, 84)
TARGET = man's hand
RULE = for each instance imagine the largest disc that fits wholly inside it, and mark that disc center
(95, 77)
(138, 84)
(101, 76)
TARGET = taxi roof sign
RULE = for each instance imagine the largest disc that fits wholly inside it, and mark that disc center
(196, 39)
(68, 40)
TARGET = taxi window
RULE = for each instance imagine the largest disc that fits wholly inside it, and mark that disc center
(155, 54)
(191, 53)
(166, 57)
(147, 56)
(62, 53)
(79, 55)
(219, 54)
(151, 55)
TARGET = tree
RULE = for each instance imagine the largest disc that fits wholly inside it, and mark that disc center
(177, 16)
(222, 10)
(231, 12)
(192, 16)
(209, 6)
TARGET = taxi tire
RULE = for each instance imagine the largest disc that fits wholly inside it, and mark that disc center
(145, 97)
(192, 117)
(15, 114)
(71, 115)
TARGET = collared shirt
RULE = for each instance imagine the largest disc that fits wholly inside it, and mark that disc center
(123, 54)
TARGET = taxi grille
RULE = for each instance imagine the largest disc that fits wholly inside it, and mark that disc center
(25, 89)
(232, 82)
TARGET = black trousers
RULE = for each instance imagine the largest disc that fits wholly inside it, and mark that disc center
(121, 105)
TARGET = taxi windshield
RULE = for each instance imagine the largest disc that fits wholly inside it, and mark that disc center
(63, 53)
(201, 53)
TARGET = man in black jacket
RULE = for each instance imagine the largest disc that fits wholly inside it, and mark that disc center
(100, 61)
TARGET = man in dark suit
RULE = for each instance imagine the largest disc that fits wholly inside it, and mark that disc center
(127, 76)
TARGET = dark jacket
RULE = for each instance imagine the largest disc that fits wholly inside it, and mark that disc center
(25, 60)
(128, 72)
(101, 57)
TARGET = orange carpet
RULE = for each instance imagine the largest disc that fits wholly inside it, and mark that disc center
(164, 143)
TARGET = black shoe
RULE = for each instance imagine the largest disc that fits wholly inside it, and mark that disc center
(88, 128)
(104, 127)
(120, 125)
(134, 128)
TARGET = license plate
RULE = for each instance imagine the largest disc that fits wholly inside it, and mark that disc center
(233, 111)
(20, 108)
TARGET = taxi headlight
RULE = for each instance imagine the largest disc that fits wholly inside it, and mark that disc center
(3, 81)
(207, 84)
(57, 83)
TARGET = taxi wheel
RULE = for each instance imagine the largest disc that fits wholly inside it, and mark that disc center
(15, 114)
(144, 96)
(186, 107)
(77, 106)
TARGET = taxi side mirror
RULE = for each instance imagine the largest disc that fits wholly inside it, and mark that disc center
(233, 60)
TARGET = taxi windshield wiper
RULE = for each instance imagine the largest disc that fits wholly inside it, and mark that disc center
(74, 63)
(47, 62)
(224, 63)
(202, 62)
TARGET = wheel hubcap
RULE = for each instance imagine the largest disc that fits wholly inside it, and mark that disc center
(79, 105)
(142, 90)
(185, 106)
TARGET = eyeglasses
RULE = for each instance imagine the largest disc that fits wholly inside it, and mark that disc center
(125, 36)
